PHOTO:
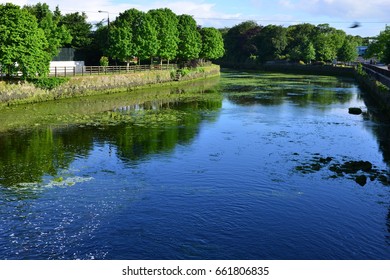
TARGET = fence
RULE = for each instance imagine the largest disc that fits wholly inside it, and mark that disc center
(68, 71)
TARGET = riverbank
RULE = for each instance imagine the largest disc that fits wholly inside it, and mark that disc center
(322, 70)
(379, 93)
(26, 92)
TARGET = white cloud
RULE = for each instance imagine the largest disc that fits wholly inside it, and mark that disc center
(198, 9)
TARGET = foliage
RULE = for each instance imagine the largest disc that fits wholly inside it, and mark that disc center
(79, 29)
(56, 35)
(145, 35)
(381, 46)
(212, 43)
(121, 43)
(308, 52)
(167, 33)
(104, 61)
(133, 35)
(348, 50)
(190, 41)
(271, 42)
(239, 41)
(23, 44)
(48, 83)
(328, 41)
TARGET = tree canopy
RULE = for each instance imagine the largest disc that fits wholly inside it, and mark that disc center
(190, 41)
(380, 47)
(212, 43)
(167, 33)
(56, 35)
(23, 46)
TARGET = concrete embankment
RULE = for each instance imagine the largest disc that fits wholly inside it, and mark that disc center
(379, 92)
(25, 92)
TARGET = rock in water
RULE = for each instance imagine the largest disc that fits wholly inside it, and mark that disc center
(361, 180)
(355, 111)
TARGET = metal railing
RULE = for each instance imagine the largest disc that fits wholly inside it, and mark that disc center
(68, 71)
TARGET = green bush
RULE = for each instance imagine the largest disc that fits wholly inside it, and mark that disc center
(104, 61)
(48, 83)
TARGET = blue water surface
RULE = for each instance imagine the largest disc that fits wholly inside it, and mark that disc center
(224, 185)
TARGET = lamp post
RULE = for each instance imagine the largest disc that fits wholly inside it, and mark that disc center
(108, 17)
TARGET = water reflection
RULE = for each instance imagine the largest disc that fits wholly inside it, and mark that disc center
(28, 156)
(274, 89)
(182, 174)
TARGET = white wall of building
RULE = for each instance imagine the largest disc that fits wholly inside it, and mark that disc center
(68, 66)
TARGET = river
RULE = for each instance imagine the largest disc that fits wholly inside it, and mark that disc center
(251, 165)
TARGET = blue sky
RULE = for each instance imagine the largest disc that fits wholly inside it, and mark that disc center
(372, 14)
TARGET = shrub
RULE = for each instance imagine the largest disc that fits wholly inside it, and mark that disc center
(104, 61)
(48, 83)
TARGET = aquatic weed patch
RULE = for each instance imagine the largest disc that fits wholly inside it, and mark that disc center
(360, 171)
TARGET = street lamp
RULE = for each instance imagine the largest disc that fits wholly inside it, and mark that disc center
(108, 17)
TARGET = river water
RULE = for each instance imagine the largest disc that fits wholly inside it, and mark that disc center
(248, 166)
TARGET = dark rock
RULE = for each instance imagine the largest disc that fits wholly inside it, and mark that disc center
(383, 179)
(361, 180)
(355, 111)
(355, 166)
(325, 160)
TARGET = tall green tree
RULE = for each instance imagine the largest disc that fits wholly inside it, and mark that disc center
(271, 42)
(308, 52)
(297, 35)
(145, 36)
(167, 33)
(79, 28)
(190, 41)
(380, 47)
(328, 42)
(57, 36)
(121, 46)
(23, 44)
(212, 43)
(348, 51)
(240, 42)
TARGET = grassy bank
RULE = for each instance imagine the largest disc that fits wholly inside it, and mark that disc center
(17, 92)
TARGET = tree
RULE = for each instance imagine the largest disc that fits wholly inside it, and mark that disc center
(348, 51)
(23, 44)
(57, 36)
(308, 52)
(271, 42)
(212, 43)
(239, 41)
(79, 29)
(297, 35)
(381, 46)
(145, 36)
(167, 33)
(121, 43)
(190, 42)
(328, 42)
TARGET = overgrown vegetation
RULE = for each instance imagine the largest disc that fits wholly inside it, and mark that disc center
(48, 83)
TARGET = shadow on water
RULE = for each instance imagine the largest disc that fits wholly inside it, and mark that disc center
(137, 125)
